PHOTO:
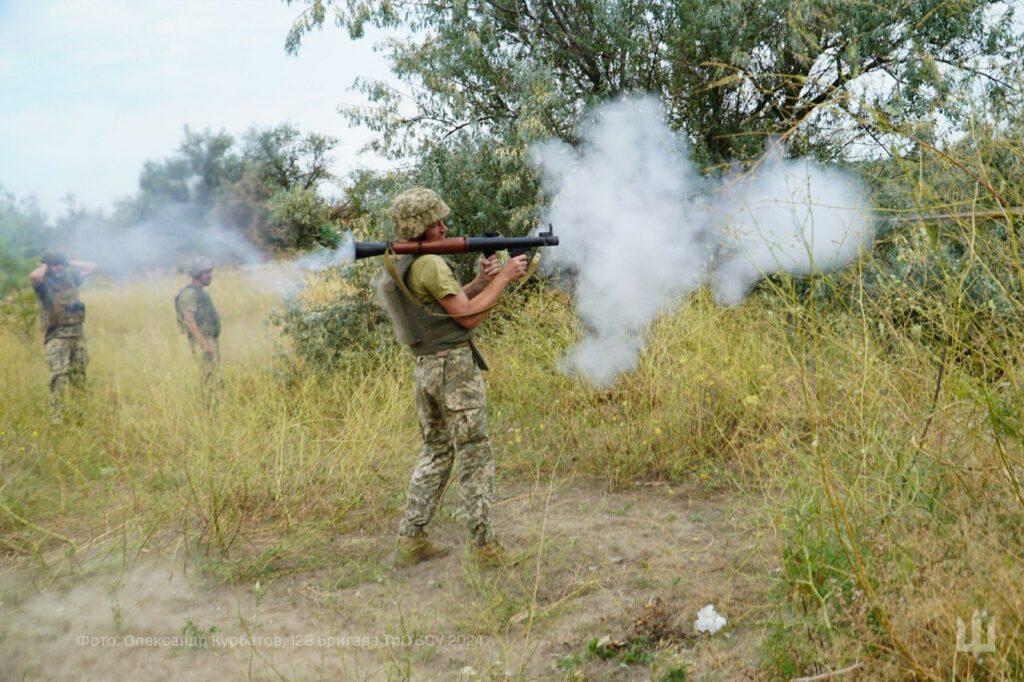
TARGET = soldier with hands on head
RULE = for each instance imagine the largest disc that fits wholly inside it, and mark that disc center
(56, 281)
(449, 390)
(199, 320)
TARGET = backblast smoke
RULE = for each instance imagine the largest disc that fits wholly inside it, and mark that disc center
(164, 241)
(177, 232)
(641, 228)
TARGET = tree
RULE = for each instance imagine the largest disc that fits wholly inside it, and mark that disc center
(211, 162)
(275, 199)
(730, 72)
(204, 163)
(298, 218)
(284, 158)
(24, 235)
(210, 180)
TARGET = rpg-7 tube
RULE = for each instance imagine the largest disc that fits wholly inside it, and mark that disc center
(487, 245)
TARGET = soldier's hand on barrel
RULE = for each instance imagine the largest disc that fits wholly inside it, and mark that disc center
(514, 269)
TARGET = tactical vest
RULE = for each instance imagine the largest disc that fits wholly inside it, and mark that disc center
(63, 311)
(424, 332)
(206, 315)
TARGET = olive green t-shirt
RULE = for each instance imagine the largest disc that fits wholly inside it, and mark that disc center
(430, 279)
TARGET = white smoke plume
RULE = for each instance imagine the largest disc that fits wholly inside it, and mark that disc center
(162, 243)
(624, 210)
(640, 228)
(180, 232)
(323, 258)
(793, 216)
(286, 277)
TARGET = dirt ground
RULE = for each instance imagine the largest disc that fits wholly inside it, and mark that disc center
(628, 569)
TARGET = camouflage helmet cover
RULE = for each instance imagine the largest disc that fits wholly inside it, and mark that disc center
(199, 265)
(415, 210)
(53, 258)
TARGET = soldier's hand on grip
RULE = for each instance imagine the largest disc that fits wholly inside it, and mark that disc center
(514, 269)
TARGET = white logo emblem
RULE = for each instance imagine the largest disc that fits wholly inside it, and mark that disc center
(977, 645)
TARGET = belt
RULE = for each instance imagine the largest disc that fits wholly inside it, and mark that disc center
(478, 359)
(443, 353)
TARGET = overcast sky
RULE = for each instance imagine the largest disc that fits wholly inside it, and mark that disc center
(89, 89)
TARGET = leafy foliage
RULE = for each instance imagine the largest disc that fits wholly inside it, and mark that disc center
(730, 72)
(267, 188)
(24, 234)
(297, 218)
(948, 265)
(839, 80)
(335, 320)
(284, 158)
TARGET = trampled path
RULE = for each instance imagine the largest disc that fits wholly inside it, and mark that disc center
(615, 567)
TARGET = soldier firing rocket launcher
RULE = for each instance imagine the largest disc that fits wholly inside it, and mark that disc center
(487, 245)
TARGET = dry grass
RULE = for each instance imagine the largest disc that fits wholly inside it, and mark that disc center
(896, 506)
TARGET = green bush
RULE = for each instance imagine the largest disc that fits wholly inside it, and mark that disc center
(343, 326)
(24, 235)
(299, 218)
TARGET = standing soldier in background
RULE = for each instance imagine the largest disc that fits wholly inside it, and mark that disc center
(449, 390)
(56, 283)
(198, 318)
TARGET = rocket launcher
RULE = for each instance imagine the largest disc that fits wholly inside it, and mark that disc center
(487, 245)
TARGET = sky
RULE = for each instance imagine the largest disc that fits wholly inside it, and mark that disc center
(90, 89)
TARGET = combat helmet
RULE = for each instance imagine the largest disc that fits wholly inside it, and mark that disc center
(415, 210)
(199, 265)
(53, 258)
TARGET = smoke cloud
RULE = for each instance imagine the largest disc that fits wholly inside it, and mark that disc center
(286, 277)
(180, 232)
(793, 216)
(640, 228)
(164, 242)
(624, 209)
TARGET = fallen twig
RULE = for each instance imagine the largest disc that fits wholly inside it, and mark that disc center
(828, 675)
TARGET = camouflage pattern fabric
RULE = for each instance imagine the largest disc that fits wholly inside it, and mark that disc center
(67, 359)
(452, 407)
(62, 312)
(416, 209)
(209, 367)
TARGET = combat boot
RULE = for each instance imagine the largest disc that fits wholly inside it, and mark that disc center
(490, 555)
(410, 551)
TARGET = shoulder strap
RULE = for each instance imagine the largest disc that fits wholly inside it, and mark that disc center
(389, 265)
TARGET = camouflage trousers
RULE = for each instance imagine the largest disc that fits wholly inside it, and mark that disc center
(209, 367)
(452, 407)
(67, 359)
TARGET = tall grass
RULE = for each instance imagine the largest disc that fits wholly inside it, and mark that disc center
(886, 459)
(148, 452)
